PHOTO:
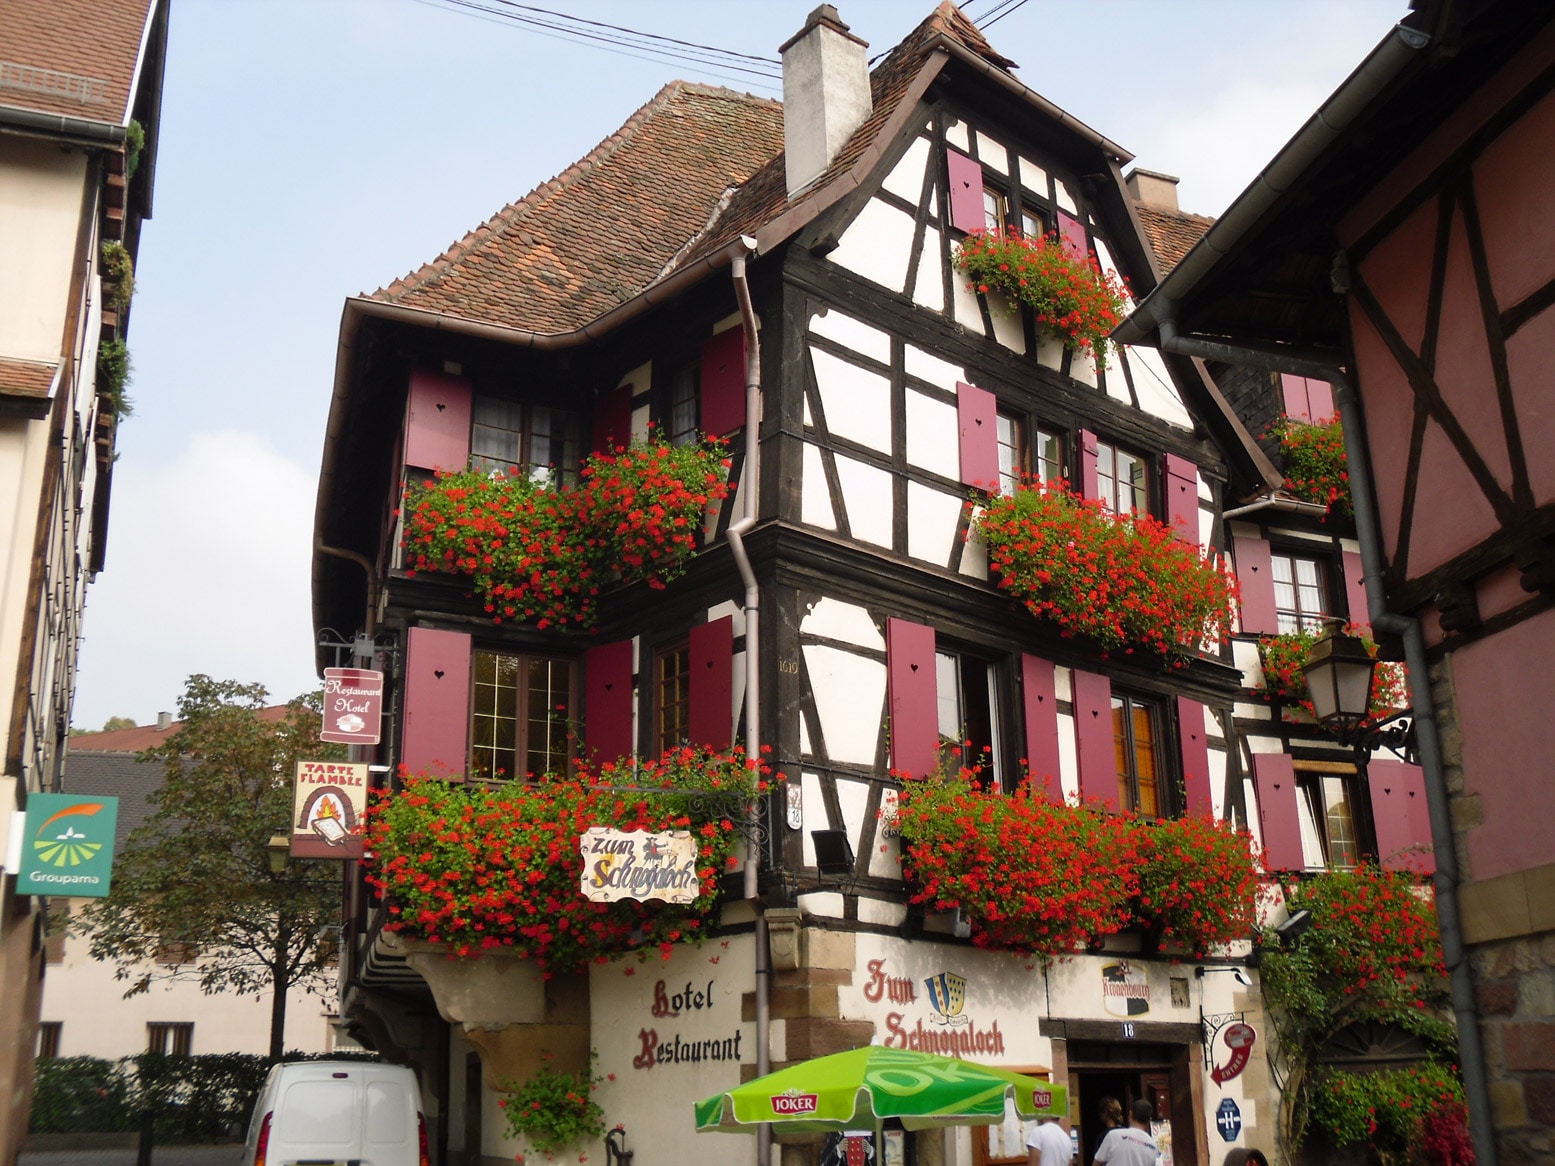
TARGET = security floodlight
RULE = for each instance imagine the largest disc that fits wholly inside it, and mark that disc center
(1291, 931)
(833, 851)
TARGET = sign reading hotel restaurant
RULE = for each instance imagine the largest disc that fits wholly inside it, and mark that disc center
(327, 804)
(353, 706)
(634, 864)
(67, 846)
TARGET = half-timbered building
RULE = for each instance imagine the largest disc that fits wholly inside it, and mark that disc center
(782, 277)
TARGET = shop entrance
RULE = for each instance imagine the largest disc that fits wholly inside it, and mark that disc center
(1126, 1070)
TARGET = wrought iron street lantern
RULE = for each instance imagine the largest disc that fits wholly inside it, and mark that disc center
(1339, 675)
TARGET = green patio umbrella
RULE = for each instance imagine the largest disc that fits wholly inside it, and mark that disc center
(859, 1089)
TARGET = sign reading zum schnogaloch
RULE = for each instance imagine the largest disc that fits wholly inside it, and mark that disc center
(67, 846)
(634, 864)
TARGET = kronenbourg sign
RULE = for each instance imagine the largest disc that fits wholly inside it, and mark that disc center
(67, 846)
(636, 864)
(327, 804)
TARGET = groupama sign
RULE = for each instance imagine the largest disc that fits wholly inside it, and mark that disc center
(67, 846)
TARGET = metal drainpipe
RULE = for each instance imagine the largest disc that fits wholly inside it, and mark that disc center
(750, 477)
(1471, 1055)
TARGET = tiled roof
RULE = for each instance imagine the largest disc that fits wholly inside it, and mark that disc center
(648, 198)
(71, 57)
(26, 378)
(604, 229)
(144, 736)
(117, 775)
(1172, 234)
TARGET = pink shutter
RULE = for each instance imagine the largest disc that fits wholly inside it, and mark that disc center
(436, 738)
(1297, 403)
(1040, 697)
(1182, 498)
(1256, 578)
(437, 422)
(966, 191)
(1090, 484)
(711, 718)
(607, 700)
(1095, 738)
(1274, 777)
(1400, 815)
(912, 696)
(1320, 399)
(1355, 588)
(1072, 232)
(612, 427)
(977, 413)
(723, 382)
(1195, 757)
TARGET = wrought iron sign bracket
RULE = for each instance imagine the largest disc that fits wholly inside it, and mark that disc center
(1213, 1022)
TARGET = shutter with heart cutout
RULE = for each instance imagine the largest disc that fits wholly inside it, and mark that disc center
(977, 417)
(1255, 578)
(1195, 757)
(437, 421)
(710, 717)
(912, 696)
(1039, 693)
(1095, 738)
(1400, 815)
(436, 737)
(607, 700)
(1274, 777)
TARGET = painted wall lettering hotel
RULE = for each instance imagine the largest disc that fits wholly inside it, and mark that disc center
(522, 525)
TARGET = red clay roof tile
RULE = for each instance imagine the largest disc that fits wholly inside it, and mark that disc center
(25, 378)
(72, 57)
(1171, 234)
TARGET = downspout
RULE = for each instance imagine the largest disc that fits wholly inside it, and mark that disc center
(1471, 1056)
(750, 477)
(368, 569)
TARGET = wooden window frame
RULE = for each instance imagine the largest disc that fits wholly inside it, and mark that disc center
(1109, 452)
(1127, 748)
(173, 1038)
(482, 770)
(683, 391)
(998, 773)
(566, 473)
(1295, 617)
(1030, 435)
(672, 717)
(1312, 778)
(49, 1033)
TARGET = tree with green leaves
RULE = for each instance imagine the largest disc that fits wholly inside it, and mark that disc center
(195, 878)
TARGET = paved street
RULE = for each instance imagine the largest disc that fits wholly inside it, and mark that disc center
(125, 1156)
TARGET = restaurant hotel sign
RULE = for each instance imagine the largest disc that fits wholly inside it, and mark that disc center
(635, 864)
(353, 706)
(328, 800)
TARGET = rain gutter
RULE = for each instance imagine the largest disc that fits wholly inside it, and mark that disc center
(1471, 1054)
(57, 125)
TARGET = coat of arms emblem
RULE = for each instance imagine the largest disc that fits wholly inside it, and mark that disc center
(947, 996)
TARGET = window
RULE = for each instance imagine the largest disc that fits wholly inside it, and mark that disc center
(967, 690)
(173, 1038)
(1122, 479)
(175, 952)
(995, 209)
(521, 714)
(685, 388)
(1331, 817)
(1300, 593)
(1026, 450)
(672, 696)
(1033, 223)
(544, 442)
(48, 1038)
(1136, 732)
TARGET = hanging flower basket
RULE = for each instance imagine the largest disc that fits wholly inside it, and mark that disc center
(481, 868)
(1126, 581)
(1067, 292)
(540, 552)
(1315, 466)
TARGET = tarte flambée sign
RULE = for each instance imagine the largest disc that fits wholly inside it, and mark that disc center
(328, 800)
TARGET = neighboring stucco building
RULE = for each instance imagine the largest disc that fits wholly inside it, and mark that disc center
(1401, 247)
(887, 393)
(85, 1013)
(75, 76)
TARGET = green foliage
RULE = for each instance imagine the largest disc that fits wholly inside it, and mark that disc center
(113, 724)
(1067, 292)
(195, 1099)
(1373, 953)
(197, 872)
(1285, 655)
(113, 375)
(1384, 1111)
(134, 144)
(555, 1110)
(118, 273)
(1315, 465)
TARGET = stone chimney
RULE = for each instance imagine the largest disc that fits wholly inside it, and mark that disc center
(825, 94)
(164, 721)
(1153, 189)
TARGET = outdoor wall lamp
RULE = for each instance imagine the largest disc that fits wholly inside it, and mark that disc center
(278, 849)
(1239, 973)
(1339, 678)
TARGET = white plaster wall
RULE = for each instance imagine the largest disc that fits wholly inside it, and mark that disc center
(906, 177)
(97, 1021)
(849, 700)
(866, 495)
(41, 188)
(931, 523)
(24, 451)
(852, 333)
(856, 401)
(877, 245)
(815, 507)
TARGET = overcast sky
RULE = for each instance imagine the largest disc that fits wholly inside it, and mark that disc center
(313, 149)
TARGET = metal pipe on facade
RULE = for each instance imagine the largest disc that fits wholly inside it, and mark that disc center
(750, 477)
(1471, 1056)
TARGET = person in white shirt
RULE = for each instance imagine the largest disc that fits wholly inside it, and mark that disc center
(1131, 1145)
(1049, 1145)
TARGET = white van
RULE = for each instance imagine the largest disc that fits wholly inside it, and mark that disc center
(335, 1113)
